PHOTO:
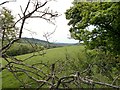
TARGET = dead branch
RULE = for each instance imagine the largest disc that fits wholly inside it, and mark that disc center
(4, 2)
(84, 80)
(47, 36)
(25, 17)
(14, 65)
(115, 79)
(6, 47)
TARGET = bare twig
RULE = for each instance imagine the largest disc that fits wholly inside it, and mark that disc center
(115, 79)
(4, 2)
(47, 36)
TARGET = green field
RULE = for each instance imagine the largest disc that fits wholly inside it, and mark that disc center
(69, 59)
(51, 56)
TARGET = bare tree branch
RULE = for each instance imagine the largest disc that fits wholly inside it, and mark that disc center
(47, 36)
(7, 2)
(4, 2)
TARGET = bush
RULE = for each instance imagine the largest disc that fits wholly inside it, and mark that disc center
(20, 48)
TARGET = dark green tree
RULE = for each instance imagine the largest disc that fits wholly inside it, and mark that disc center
(104, 16)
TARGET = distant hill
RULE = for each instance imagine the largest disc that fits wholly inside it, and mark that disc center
(29, 45)
(64, 44)
(33, 41)
(44, 43)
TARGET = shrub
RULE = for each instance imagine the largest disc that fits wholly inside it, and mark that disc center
(20, 48)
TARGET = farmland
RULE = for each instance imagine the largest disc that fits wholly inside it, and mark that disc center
(69, 59)
(51, 56)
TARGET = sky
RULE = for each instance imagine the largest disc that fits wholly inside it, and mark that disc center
(39, 27)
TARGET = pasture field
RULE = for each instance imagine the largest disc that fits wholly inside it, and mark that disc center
(51, 56)
(69, 60)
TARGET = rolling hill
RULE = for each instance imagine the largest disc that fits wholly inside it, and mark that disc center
(44, 43)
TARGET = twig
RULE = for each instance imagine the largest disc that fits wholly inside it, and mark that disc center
(4, 2)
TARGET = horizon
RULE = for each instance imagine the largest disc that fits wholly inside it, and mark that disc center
(50, 42)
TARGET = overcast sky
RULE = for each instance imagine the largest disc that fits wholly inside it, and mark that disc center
(40, 26)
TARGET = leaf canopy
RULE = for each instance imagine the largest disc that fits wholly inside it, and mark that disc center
(104, 16)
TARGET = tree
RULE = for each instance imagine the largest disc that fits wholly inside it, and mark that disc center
(38, 76)
(8, 32)
(104, 16)
(45, 14)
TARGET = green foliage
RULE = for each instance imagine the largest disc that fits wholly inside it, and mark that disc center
(95, 65)
(104, 16)
(21, 48)
(9, 31)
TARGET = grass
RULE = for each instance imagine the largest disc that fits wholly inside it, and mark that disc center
(70, 58)
(51, 56)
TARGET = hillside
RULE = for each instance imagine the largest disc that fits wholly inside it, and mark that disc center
(33, 40)
(29, 45)
(44, 43)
